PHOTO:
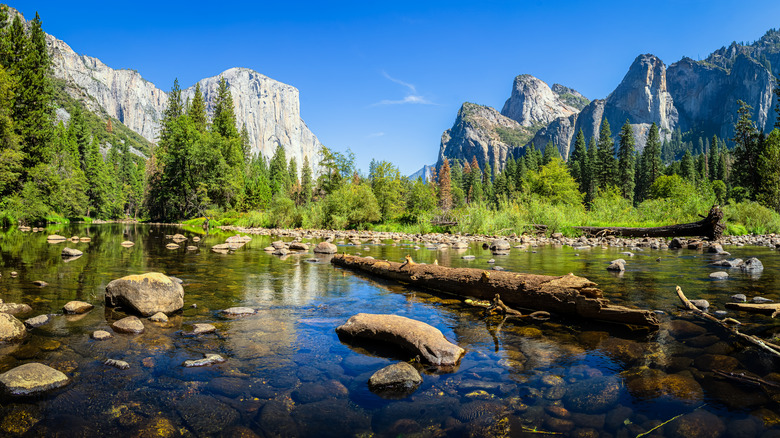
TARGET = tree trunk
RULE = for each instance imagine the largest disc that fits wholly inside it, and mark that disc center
(566, 295)
(710, 227)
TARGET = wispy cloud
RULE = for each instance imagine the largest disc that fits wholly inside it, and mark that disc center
(411, 96)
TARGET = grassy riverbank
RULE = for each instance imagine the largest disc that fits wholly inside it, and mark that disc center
(518, 217)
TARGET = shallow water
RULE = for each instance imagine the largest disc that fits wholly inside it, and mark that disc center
(288, 374)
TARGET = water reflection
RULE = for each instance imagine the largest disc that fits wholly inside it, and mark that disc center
(287, 374)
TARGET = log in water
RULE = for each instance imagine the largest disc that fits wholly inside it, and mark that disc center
(567, 295)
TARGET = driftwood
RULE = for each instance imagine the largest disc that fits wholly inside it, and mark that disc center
(710, 227)
(772, 309)
(567, 295)
(725, 327)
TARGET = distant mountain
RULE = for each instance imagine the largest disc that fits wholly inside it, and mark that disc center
(425, 173)
(270, 109)
(698, 97)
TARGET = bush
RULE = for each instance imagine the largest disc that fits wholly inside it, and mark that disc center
(752, 216)
(350, 207)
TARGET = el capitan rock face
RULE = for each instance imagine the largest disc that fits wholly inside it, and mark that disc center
(270, 109)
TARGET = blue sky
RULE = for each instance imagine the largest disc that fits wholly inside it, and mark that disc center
(385, 79)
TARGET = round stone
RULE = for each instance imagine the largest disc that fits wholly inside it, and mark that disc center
(77, 307)
(100, 335)
(131, 324)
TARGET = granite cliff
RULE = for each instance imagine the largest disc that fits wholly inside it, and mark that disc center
(699, 97)
(270, 109)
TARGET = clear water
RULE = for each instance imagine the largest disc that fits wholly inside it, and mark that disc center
(288, 374)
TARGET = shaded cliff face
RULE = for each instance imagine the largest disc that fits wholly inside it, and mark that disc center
(706, 95)
(270, 109)
(534, 104)
(482, 132)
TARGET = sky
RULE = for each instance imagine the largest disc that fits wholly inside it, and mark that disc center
(386, 79)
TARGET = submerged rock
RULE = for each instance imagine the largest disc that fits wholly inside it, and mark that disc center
(593, 396)
(210, 359)
(720, 275)
(146, 294)
(239, 311)
(122, 365)
(14, 308)
(131, 324)
(32, 378)
(416, 337)
(397, 380)
(100, 335)
(201, 329)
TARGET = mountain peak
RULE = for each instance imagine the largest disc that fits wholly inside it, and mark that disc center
(534, 104)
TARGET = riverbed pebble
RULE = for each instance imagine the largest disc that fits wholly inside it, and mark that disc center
(101, 335)
(720, 275)
(77, 307)
(239, 311)
(209, 359)
(120, 364)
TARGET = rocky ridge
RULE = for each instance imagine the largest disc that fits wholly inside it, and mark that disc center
(482, 132)
(692, 96)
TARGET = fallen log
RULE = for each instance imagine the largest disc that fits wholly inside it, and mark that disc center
(772, 309)
(725, 327)
(710, 227)
(567, 295)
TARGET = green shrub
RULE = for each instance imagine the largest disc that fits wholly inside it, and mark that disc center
(752, 216)
(351, 206)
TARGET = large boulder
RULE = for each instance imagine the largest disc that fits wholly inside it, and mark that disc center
(416, 337)
(32, 378)
(325, 248)
(11, 329)
(146, 294)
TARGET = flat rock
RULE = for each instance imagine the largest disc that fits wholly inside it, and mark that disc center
(761, 300)
(239, 311)
(77, 307)
(278, 244)
(101, 335)
(70, 252)
(130, 324)
(325, 248)
(468, 257)
(14, 308)
(56, 238)
(37, 321)
(172, 246)
(11, 329)
(127, 244)
(720, 275)
(730, 263)
(414, 336)
(201, 329)
(210, 359)
(739, 298)
(32, 378)
(299, 246)
(146, 294)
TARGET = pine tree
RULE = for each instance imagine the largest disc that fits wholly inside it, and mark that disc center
(445, 191)
(306, 181)
(578, 160)
(712, 158)
(475, 193)
(197, 110)
(550, 152)
(224, 120)
(652, 166)
(605, 163)
(688, 167)
(487, 182)
(746, 151)
(277, 173)
(34, 112)
(172, 112)
(10, 155)
(702, 171)
(590, 180)
(246, 146)
(626, 162)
